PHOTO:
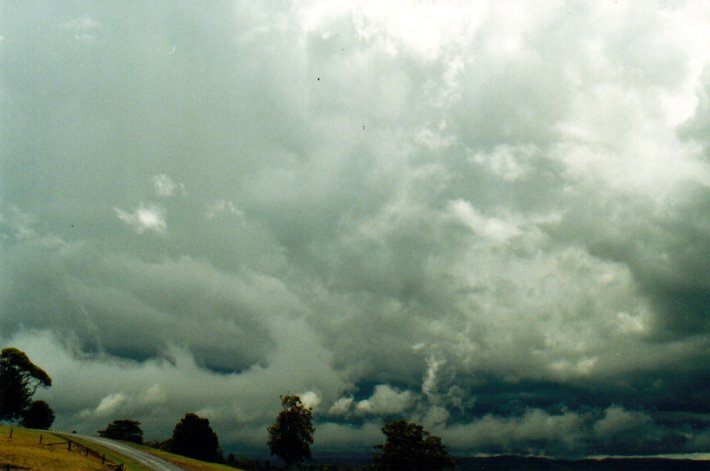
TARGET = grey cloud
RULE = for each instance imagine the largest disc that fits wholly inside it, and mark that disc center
(134, 309)
(189, 199)
(616, 420)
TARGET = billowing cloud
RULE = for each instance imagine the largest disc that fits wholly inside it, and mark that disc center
(223, 207)
(111, 404)
(342, 406)
(519, 432)
(310, 399)
(165, 186)
(617, 420)
(144, 218)
(488, 217)
(385, 400)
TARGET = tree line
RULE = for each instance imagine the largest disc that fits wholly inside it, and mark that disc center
(407, 446)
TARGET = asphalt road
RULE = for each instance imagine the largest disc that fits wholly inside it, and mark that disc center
(151, 462)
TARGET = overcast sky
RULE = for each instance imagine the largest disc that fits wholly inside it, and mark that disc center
(492, 218)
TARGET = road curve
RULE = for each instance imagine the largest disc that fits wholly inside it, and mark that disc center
(146, 459)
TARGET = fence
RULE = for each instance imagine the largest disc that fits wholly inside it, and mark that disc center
(85, 450)
(72, 446)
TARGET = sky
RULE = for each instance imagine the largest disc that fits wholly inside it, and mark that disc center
(488, 217)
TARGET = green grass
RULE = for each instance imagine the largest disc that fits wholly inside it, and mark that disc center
(187, 463)
(112, 456)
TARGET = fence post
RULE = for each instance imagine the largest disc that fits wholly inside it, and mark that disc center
(40, 439)
(87, 451)
(69, 447)
(103, 459)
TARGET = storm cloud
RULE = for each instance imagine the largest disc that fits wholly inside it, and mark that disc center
(492, 218)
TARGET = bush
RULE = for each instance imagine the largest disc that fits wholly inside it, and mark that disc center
(38, 415)
(124, 429)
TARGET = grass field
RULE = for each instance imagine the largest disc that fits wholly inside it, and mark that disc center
(24, 451)
(187, 463)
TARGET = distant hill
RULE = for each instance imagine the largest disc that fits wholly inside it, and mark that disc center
(510, 463)
(525, 463)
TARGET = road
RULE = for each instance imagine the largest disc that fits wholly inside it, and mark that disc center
(151, 462)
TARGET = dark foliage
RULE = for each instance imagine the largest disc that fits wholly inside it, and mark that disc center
(249, 464)
(165, 445)
(194, 437)
(410, 448)
(123, 429)
(515, 463)
(38, 415)
(290, 438)
(19, 379)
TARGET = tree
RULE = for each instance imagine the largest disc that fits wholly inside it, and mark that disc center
(38, 415)
(410, 448)
(290, 438)
(19, 379)
(123, 429)
(194, 437)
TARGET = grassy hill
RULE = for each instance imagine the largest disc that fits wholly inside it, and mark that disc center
(41, 450)
(23, 450)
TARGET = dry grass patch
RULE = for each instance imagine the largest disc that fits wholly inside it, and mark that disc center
(23, 451)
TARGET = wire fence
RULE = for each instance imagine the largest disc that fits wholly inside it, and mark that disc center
(72, 446)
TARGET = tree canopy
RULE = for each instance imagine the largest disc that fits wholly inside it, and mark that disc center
(123, 429)
(38, 415)
(290, 438)
(408, 447)
(194, 437)
(19, 379)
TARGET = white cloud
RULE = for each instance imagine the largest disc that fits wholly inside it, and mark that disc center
(165, 186)
(423, 29)
(153, 396)
(110, 404)
(510, 163)
(310, 399)
(144, 218)
(386, 400)
(342, 406)
(434, 362)
(223, 207)
(495, 229)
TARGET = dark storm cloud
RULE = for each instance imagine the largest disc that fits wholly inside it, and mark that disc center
(490, 218)
(134, 309)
